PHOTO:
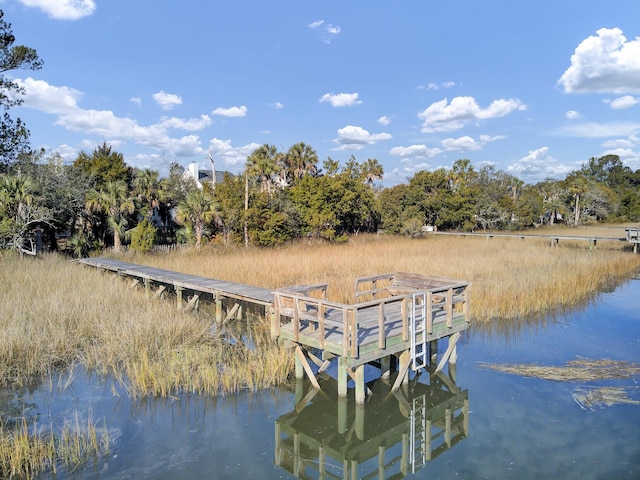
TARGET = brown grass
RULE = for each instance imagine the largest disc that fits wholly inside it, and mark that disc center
(511, 278)
(579, 370)
(55, 314)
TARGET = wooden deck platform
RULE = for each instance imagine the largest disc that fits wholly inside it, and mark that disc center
(397, 316)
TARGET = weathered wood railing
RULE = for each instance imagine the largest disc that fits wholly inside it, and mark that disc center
(392, 298)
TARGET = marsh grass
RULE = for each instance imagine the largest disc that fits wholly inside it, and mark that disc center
(27, 450)
(55, 314)
(511, 278)
(578, 370)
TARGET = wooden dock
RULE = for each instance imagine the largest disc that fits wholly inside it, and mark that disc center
(633, 237)
(395, 323)
(554, 240)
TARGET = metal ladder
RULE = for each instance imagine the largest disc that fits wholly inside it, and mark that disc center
(418, 326)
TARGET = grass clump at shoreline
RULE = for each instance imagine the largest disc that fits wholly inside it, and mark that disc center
(28, 450)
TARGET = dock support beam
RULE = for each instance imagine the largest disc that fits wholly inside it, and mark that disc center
(218, 302)
(342, 376)
(179, 291)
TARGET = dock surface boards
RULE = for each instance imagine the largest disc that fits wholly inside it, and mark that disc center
(240, 291)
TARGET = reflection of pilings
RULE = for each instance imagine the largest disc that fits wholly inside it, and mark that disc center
(393, 434)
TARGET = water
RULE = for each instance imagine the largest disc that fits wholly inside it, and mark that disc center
(510, 427)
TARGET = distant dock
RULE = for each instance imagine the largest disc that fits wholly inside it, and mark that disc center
(395, 323)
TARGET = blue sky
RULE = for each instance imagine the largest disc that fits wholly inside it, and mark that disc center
(534, 88)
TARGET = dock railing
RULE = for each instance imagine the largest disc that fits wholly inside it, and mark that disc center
(440, 297)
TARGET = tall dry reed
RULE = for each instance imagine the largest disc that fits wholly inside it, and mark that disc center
(55, 313)
(511, 278)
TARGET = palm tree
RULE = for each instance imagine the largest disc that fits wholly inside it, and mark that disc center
(114, 201)
(262, 164)
(371, 170)
(15, 195)
(300, 160)
(197, 209)
(146, 187)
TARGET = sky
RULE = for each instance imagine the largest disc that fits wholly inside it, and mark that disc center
(533, 88)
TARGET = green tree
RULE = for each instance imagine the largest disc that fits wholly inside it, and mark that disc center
(115, 201)
(104, 165)
(146, 188)
(197, 210)
(229, 196)
(14, 136)
(300, 160)
(262, 165)
(143, 236)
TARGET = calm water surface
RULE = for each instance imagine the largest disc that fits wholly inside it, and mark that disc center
(511, 427)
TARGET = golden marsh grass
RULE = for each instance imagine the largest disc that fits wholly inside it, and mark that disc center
(511, 278)
(55, 314)
(26, 451)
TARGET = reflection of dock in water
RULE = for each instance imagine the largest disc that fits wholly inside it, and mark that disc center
(394, 434)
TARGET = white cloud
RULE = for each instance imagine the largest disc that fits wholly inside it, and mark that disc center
(622, 103)
(461, 144)
(340, 99)
(355, 138)
(443, 116)
(328, 32)
(277, 105)
(415, 151)
(384, 120)
(48, 98)
(467, 143)
(63, 9)
(193, 124)
(538, 165)
(606, 63)
(136, 100)
(597, 130)
(230, 156)
(63, 102)
(437, 86)
(167, 101)
(572, 115)
(240, 111)
(628, 156)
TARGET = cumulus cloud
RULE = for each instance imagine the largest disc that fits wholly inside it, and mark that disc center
(328, 31)
(443, 116)
(240, 111)
(467, 143)
(340, 99)
(622, 103)
(277, 105)
(461, 144)
(355, 138)
(572, 115)
(538, 165)
(230, 156)
(193, 124)
(167, 101)
(49, 98)
(384, 120)
(136, 100)
(604, 63)
(63, 103)
(63, 9)
(415, 151)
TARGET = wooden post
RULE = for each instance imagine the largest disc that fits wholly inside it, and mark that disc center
(218, 302)
(147, 288)
(403, 377)
(385, 366)
(179, 291)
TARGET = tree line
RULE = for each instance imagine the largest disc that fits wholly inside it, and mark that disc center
(99, 201)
